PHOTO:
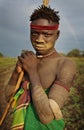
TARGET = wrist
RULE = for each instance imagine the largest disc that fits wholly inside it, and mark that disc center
(34, 79)
(31, 71)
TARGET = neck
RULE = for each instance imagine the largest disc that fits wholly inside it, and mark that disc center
(46, 55)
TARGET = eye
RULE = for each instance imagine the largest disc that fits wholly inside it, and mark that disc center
(47, 34)
(34, 33)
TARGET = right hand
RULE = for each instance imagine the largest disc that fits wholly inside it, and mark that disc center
(28, 61)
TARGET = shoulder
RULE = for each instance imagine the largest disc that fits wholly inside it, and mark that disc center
(66, 70)
(66, 63)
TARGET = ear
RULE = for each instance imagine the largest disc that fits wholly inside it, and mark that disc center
(58, 33)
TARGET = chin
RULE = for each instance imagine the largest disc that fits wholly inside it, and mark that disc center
(41, 52)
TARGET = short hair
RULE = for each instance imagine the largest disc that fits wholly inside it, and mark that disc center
(45, 13)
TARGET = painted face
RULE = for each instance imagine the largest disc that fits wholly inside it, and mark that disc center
(43, 40)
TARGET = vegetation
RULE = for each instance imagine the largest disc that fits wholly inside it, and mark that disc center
(1, 55)
(76, 53)
(73, 110)
(6, 62)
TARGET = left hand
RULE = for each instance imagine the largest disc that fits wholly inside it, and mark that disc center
(29, 61)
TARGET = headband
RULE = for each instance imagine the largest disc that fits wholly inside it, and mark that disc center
(40, 27)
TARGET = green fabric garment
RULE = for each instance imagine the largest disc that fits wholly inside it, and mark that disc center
(18, 121)
(19, 113)
(26, 118)
(32, 121)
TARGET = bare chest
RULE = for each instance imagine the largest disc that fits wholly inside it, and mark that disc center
(47, 71)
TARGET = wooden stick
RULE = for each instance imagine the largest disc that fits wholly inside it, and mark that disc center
(12, 98)
(45, 2)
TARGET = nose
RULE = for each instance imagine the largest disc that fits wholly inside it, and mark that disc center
(40, 39)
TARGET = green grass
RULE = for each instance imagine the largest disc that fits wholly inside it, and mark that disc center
(6, 62)
(79, 61)
(73, 110)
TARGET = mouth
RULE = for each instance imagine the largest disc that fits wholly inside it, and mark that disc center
(40, 46)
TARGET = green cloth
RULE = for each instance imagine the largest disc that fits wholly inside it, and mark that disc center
(19, 116)
(19, 112)
(26, 118)
(32, 121)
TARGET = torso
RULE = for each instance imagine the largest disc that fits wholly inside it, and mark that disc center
(48, 69)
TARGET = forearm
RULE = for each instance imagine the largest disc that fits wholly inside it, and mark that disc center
(40, 99)
(11, 84)
(14, 77)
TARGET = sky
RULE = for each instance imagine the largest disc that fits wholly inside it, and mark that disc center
(15, 30)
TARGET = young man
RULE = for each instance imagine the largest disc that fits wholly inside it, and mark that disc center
(48, 74)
